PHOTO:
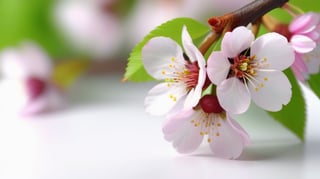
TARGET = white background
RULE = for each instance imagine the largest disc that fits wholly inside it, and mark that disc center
(105, 133)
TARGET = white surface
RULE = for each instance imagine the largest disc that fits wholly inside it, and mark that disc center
(106, 134)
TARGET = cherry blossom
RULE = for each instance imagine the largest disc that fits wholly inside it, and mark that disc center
(26, 86)
(183, 76)
(304, 35)
(245, 69)
(187, 129)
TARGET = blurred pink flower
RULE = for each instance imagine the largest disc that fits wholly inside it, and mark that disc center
(26, 83)
(183, 78)
(245, 69)
(89, 27)
(187, 129)
(304, 35)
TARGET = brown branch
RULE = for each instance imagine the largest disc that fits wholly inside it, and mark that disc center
(208, 41)
(243, 16)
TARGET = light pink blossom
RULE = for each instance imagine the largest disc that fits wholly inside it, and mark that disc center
(187, 129)
(245, 69)
(182, 77)
(26, 83)
(304, 35)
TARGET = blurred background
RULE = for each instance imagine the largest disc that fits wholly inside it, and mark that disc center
(99, 30)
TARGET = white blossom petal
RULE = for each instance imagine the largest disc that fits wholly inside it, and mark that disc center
(191, 50)
(162, 56)
(231, 140)
(233, 43)
(274, 49)
(182, 133)
(233, 96)
(274, 90)
(162, 98)
(218, 67)
(193, 98)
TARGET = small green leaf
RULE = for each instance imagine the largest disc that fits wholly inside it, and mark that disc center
(172, 29)
(293, 115)
(314, 83)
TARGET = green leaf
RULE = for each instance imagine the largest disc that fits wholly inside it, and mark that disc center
(172, 29)
(314, 83)
(293, 115)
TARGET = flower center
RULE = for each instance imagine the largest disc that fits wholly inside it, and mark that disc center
(210, 119)
(35, 87)
(209, 124)
(242, 66)
(188, 75)
(246, 68)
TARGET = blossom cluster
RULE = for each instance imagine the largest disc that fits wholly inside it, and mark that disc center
(200, 96)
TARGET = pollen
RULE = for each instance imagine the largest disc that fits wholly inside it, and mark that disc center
(217, 134)
(209, 140)
(265, 78)
(219, 125)
(256, 89)
(163, 72)
(261, 85)
(243, 66)
(173, 59)
(170, 66)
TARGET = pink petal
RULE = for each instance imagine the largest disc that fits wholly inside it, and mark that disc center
(162, 98)
(233, 96)
(274, 90)
(302, 44)
(218, 67)
(299, 67)
(49, 101)
(162, 56)
(304, 23)
(37, 62)
(182, 133)
(312, 60)
(28, 60)
(268, 47)
(233, 43)
(231, 141)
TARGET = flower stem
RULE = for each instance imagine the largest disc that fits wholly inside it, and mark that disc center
(241, 17)
(208, 41)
